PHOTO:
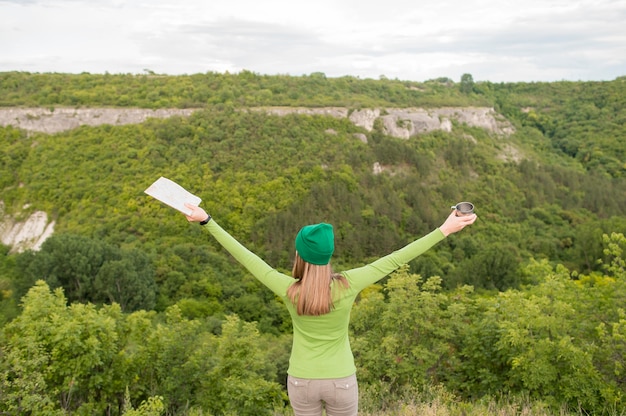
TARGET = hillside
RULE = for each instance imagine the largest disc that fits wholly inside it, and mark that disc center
(525, 304)
(401, 123)
(551, 149)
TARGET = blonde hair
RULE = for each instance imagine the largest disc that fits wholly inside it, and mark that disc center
(311, 294)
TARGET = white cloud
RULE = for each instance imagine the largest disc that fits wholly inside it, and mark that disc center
(504, 41)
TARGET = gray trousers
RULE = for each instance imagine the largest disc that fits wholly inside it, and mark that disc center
(340, 396)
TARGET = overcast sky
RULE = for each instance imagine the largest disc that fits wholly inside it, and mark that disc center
(499, 41)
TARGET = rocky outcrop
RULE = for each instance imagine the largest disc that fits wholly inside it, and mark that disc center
(409, 122)
(397, 122)
(27, 234)
(61, 119)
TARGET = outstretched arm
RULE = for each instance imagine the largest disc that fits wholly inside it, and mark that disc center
(277, 282)
(371, 273)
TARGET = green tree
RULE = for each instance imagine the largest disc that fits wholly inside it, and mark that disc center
(237, 379)
(538, 342)
(406, 339)
(161, 361)
(8, 276)
(616, 251)
(59, 357)
(152, 407)
(128, 281)
(467, 83)
(90, 270)
(67, 261)
(494, 267)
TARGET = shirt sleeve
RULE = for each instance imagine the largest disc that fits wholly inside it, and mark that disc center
(362, 277)
(276, 281)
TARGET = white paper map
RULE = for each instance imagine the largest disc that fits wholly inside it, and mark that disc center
(172, 194)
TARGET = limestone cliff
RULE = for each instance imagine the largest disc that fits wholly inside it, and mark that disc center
(397, 122)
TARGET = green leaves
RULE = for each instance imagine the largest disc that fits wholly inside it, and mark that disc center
(200, 90)
(59, 359)
(616, 250)
(239, 379)
(560, 341)
(92, 271)
(406, 340)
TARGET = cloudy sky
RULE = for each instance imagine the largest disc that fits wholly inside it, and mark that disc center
(499, 41)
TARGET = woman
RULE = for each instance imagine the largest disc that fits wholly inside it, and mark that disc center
(321, 366)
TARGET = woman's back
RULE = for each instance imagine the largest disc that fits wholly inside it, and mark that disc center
(321, 345)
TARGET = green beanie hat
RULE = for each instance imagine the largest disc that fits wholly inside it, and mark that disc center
(315, 243)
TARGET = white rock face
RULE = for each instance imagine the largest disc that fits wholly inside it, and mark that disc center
(408, 122)
(28, 234)
(365, 118)
(397, 122)
(60, 119)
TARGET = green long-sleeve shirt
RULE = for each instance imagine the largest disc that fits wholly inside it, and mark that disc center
(321, 346)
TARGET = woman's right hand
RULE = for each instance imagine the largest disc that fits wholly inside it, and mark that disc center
(455, 224)
(197, 214)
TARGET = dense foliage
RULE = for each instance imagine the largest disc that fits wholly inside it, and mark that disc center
(127, 303)
(205, 90)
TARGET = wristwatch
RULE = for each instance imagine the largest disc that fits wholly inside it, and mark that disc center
(205, 222)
